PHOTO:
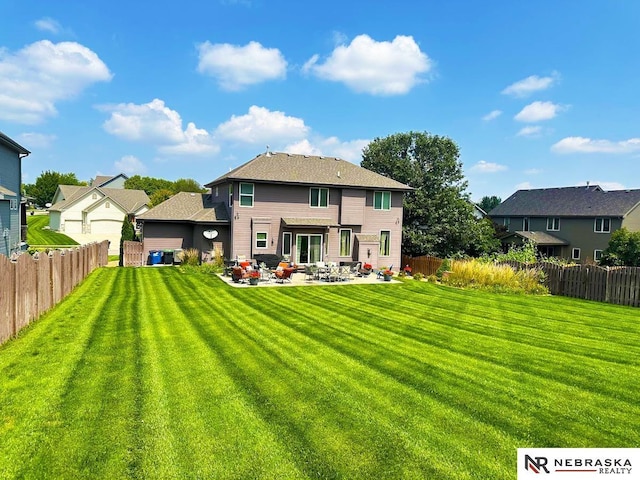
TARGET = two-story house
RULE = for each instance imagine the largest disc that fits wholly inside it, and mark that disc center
(11, 216)
(574, 223)
(305, 208)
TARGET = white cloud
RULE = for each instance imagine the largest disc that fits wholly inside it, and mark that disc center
(130, 165)
(488, 167)
(261, 125)
(236, 67)
(492, 115)
(31, 141)
(587, 145)
(157, 124)
(539, 111)
(33, 79)
(377, 68)
(533, 171)
(527, 86)
(48, 24)
(330, 147)
(530, 131)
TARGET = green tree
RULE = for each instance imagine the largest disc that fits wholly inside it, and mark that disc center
(489, 203)
(623, 249)
(438, 214)
(149, 184)
(46, 184)
(127, 233)
(159, 196)
(187, 185)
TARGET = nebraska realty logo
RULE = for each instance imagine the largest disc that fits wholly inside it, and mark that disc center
(581, 463)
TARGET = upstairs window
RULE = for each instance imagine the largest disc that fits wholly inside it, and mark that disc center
(382, 200)
(246, 194)
(319, 197)
(525, 224)
(553, 224)
(602, 225)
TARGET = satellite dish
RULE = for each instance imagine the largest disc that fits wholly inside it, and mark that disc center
(48, 205)
(210, 234)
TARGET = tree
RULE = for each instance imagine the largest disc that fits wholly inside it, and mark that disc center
(46, 184)
(187, 185)
(438, 214)
(160, 196)
(127, 233)
(489, 203)
(623, 249)
(149, 184)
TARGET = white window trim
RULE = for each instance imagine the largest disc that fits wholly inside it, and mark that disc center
(319, 197)
(340, 241)
(552, 222)
(602, 219)
(382, 192)
(266, 240)
(13, 204)
(595, 254)
(240, 194)
(506, 222)
(284, 242)
(230, 195)
(528, 224)
(380, 245)
(573, 255)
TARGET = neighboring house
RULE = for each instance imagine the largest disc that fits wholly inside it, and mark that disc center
(106, 181)
(11, 216)
(574, 223)
(304, 208)
(478, 212)
(95, 212)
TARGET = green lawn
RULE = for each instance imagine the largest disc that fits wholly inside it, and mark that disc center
(154, 373)
(36, 236)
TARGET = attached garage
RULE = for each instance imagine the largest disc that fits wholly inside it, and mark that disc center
(105, 226)
(73, 226)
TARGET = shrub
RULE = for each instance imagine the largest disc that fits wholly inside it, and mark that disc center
(190, 257)
(499, 278)
(445, 266)
(525, 253)
(418, 276)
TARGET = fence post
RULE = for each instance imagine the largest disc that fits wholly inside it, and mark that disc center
(607, 283)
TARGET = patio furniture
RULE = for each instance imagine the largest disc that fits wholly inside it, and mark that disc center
(379, 273)
(239, 275)
(269, 259)
(284, 275)
(310, 273)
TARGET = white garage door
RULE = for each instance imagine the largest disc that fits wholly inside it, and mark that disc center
(111, 227)
(73, 226)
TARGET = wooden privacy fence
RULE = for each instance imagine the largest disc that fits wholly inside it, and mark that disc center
(132, 254)
(426, 265)
(29, 286)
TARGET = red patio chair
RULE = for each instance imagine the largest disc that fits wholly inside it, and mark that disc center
(284, 275)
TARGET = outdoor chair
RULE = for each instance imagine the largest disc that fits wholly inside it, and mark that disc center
(284, 275)
(310, 273)
(238, 275)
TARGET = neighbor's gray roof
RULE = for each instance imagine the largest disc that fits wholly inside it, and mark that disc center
(101, 179)
(6, 191)
(188, 207)
(540, 238)
(308, 169)
(309, 222)
(586, 201)
(13, 145)
(130, 200)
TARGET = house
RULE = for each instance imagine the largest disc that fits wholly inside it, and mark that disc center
(106, 181)
(94, 213)
(12, 214)
(301, 207)
(574, 223)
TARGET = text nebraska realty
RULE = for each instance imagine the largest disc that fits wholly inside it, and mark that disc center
(620, 466)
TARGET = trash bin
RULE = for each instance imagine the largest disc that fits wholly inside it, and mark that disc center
(168, 257)
(155, 257)
(177, 256)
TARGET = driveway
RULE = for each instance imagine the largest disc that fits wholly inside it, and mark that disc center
(83, 238)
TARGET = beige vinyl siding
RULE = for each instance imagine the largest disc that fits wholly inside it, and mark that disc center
(352, 208)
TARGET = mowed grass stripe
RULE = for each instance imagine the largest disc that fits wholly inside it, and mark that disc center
(36, 235)
(35, 373)
(213, 431)
(348, 393)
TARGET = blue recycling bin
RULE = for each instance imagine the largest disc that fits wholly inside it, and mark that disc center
(155, 257)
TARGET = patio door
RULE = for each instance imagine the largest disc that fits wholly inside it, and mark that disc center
(308, 248)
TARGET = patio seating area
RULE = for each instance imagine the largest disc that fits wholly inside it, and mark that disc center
(246, 274)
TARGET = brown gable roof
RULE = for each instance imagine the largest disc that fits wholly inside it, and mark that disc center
(100, 180)
(308, 169)
(188, 207)
(129, 200)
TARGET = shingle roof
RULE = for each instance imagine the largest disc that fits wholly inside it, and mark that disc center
(101, 179)
(188, 207)
(13, 145)
(6, 191)
(130, 200)
(540, 238)
(308, 169)
(309, 222)
(568, 202)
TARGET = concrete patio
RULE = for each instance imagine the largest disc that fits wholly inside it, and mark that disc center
(299, 279)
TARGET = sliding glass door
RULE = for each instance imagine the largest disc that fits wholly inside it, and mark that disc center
(308, 248)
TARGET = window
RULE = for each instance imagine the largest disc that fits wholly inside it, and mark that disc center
(385, 247)
(602, 225)
(286, 243)
(597, 255)
(382, 200)
(553, 224)
(506, 222)
(231, 195)
(261, 239)
(345, 242)
(216, 192)
(107, 205)
(319, 197)
(575, 254)
(246, 194)
(525, 224)
(13, 204)
(94, 196)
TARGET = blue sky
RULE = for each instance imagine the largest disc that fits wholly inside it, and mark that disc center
(535, 94)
